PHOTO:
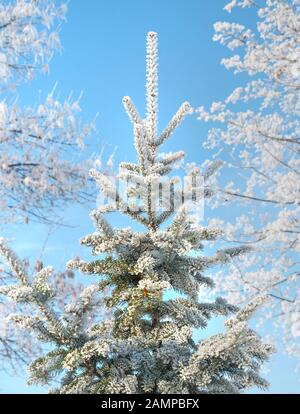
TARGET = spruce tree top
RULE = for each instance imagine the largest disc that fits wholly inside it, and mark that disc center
(147, 345)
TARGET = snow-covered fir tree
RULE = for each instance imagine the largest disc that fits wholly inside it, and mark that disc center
(147, 346)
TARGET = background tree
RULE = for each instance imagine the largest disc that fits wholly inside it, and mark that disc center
(259, 140)
(40, 163)
(147, 346)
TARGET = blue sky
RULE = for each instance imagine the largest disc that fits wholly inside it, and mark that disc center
(103, 55)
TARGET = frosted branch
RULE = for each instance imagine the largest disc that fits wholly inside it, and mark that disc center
(174, 123)
(131, 110)
(152, 84)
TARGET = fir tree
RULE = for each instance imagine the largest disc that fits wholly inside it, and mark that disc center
(147, 346)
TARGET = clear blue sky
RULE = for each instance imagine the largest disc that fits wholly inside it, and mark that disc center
(103, 56)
